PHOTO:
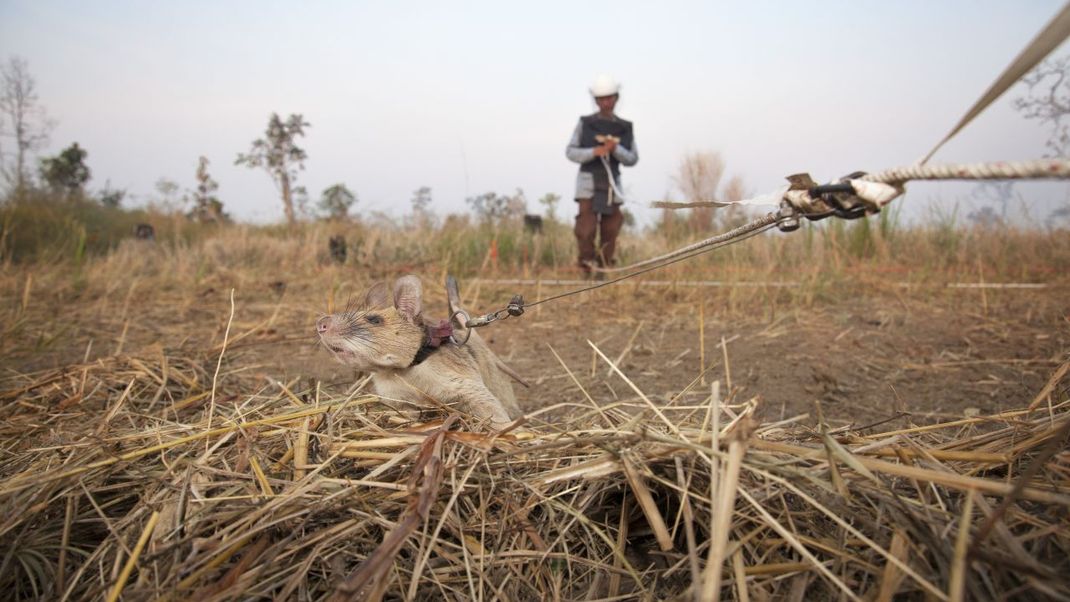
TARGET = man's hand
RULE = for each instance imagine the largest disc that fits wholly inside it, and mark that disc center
(605, 149)
(610, 144)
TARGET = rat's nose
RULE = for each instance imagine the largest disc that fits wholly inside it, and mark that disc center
(323, 324)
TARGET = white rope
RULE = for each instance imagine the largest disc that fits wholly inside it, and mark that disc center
(1047, 40)
(896, 177)
(612, 181)
(889, 183)
(1000, 170)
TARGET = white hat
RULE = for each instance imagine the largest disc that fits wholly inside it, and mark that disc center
(604, 85)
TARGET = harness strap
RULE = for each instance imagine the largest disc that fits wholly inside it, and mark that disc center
(434, 336)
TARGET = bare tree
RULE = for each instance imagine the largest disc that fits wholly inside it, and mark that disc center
(1048, 101)
(22, 119)
(517, 206)
(986, 218)
(698, 177)
(494, 208)
(1061, 214)
(169, 199)
(734, 191)
(277, 152)
(550, 201)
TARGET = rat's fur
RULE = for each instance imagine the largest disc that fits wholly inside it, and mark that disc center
(383, 338)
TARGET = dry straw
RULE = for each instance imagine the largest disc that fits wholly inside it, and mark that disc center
(297, 492)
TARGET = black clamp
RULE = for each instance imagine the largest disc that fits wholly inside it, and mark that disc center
(843, 199)
(839, 199)
(516, 306)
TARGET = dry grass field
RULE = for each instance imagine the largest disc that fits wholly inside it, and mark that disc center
(832, 414)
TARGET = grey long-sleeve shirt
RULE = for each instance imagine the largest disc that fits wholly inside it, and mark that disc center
(577, 154)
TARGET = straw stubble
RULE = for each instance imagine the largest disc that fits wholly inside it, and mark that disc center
(575, 507)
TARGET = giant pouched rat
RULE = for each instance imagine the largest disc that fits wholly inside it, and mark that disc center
(414, 361)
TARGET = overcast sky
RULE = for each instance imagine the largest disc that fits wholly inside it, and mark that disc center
(482, 96)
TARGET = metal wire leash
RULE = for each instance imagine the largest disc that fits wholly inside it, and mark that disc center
(516, 305)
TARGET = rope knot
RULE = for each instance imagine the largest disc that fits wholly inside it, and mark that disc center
(851, 197)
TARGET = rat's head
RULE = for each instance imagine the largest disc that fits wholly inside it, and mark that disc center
(380, 333)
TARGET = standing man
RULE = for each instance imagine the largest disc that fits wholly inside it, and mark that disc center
(601, 143)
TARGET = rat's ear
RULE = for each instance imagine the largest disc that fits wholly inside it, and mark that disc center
(378, 296)
(407, 293)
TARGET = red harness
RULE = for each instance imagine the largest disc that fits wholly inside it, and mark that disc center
(435, 335)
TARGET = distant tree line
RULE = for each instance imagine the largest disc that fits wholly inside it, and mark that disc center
(24, 130)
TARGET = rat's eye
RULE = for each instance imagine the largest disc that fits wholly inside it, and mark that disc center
(374, 319)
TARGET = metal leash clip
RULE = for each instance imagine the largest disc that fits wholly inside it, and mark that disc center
(787, 217)
(515, 308)
(466, 323)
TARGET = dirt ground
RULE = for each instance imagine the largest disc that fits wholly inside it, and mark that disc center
(865, 362)
(870, 352)
(873, 358)
(867, 355)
